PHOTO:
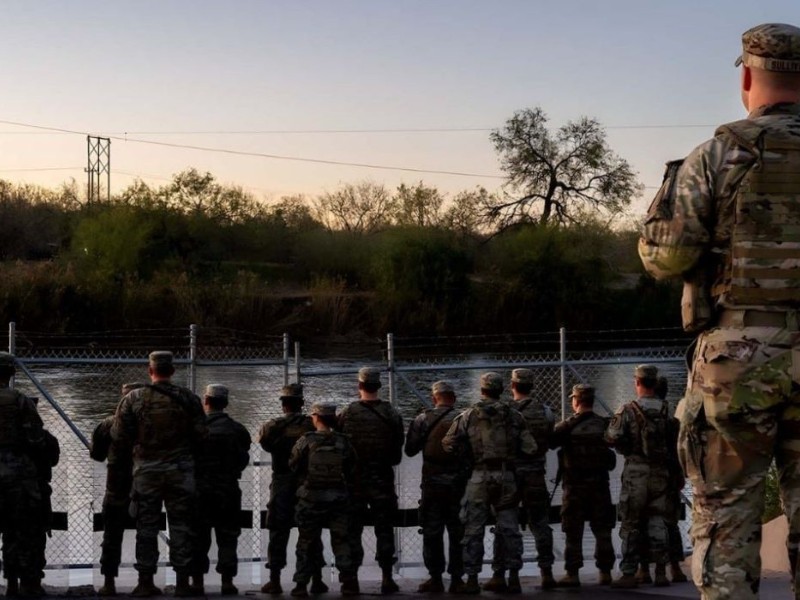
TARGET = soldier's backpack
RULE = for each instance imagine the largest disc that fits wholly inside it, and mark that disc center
(491, 435)
(654, 433)
(325, 461)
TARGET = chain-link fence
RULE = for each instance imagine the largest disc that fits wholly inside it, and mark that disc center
(78, 379)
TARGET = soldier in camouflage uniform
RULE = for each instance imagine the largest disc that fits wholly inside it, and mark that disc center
(640, 432)
(376, 431)
(278, 437)
(21, 441)
(584, 460)
(494, 437)
(116, 500)
(223, 457)
(163, 426)
(44, 467)
(444, 477)
(325, 463)
(726, 220)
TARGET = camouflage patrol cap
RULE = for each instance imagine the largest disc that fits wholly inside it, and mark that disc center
(127, 388)
(583, 390)
(323, 409)
(293, 391)
(216, 390)
(7, 360)
(160, 358)
(771, 47)
(522, 376)
(646, 372)
(369, 375)
(492, 381)
(441, 387)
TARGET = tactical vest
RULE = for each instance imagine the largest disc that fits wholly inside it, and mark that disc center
(653, 436)
(539, 421)
(326, 453)
(221, 457)
(435, 460)
(490, 434)
(587, 449)
(163, 423)
(763, 267)
(11, 431)
(373, 432)
(289, 429)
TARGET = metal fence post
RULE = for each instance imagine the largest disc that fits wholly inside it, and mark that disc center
(390, 360)
(12, 345)
(398, 531)
(286, 359)
(193, 357)
(296, 362)
(562, 333)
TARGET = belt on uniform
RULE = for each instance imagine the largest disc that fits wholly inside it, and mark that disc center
(787, 319)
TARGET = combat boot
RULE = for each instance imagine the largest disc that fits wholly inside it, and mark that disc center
(660, 579)
(625, 582)
(300, 590)
(182, 587)
(570, 580)
(388, 585)
(643, 574)
(677, 573)
(227, 588)
(547, 582)
(199, 584)
(109, 587)
(145, 587)
(456, 585)
(514, 586)
(605, 578)
(12, 587)
(434, 585)
(350, 586)
(273, 586)
(472, 586)
(317, 585)
(497, 583)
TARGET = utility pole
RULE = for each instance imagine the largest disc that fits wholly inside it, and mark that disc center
(99, 163)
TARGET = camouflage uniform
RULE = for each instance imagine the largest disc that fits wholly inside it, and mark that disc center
(278, 437)
(116, 501)
(493, 436)
(222, 458)
(44, 466)
(726, 220)
(163, 425)
(584, 461)
(638, 431)
(444, 478)
(530, 472)
(21, 440)
(325, 464)
(376, 432)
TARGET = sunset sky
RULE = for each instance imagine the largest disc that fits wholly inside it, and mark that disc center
(327, 80)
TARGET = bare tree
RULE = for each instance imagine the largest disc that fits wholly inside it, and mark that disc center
(559, 176)
(418, 205)
(467, 211)
(361, 207)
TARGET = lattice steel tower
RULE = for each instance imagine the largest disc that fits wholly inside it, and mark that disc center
(99, 163)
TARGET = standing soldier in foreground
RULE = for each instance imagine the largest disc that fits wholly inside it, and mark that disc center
(21, 439)
(278, 437)
(163, 425)
(376, 431)
(222, 458)
(325, 462)
(116, 500)
(726, 221)
(444, 477)
(494, 436)
(530, 473)
(640, 432)
(584, 461)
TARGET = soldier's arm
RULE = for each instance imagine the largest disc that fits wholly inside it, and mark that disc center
(124, 427)
(454, 440)
(265, 438)
(617, 431)
(415, 436)
(298, 460)
(199, 429)
(560, 434)
(243, 442)
(32, 423)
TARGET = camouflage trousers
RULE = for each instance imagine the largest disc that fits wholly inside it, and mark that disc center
(675, 540)
(174, 485)
(587, 500)
(219, 512)
(536, 508)
(643, 510)
(311, 518)
(487, 493)
(741, 410)
(280, 517)
(377, 498)
(115, 519)
(439, 509)
(20, 516)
